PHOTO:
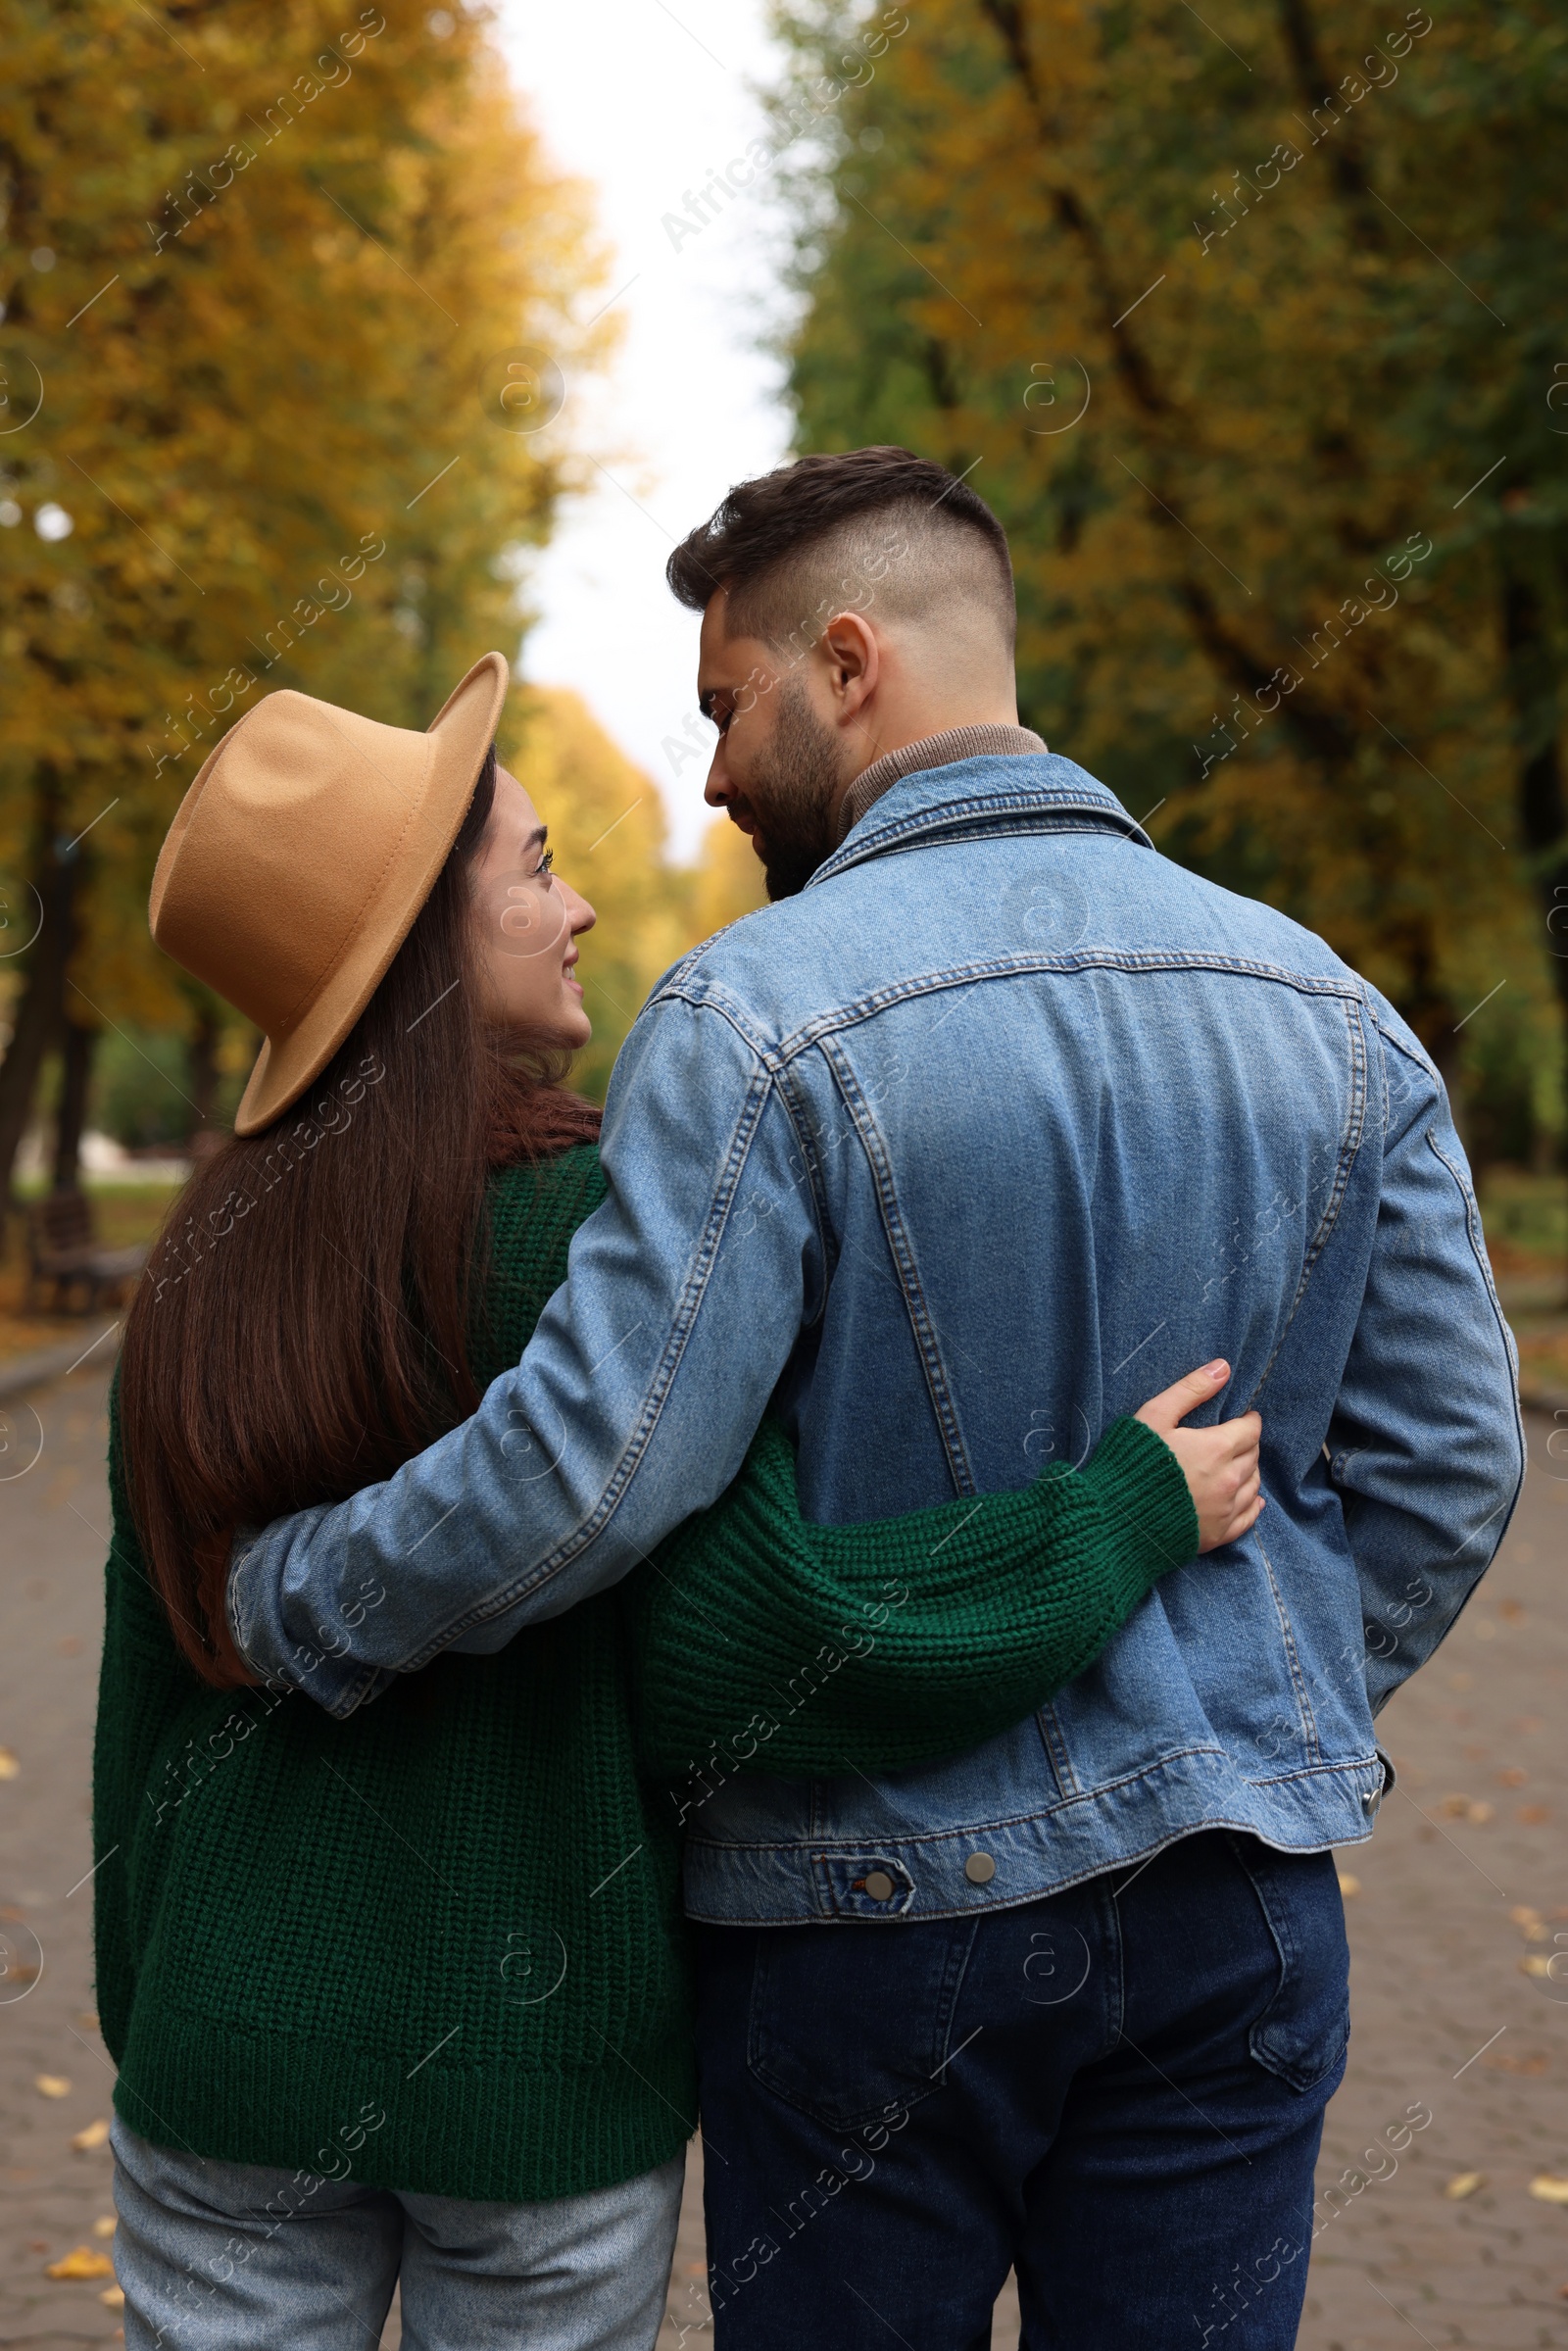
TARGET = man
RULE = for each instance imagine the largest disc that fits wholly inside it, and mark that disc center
(993, 1115)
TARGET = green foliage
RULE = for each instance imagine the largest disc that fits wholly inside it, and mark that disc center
(1528, 1212)
(141, 1088)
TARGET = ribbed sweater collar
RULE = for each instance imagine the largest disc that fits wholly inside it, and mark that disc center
(955, 743)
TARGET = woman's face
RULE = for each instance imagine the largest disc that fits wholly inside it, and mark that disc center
(529, 920)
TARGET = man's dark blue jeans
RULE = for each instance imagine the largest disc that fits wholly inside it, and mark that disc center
(1119, 2092)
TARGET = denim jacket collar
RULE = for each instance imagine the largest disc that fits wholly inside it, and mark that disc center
(990, 795)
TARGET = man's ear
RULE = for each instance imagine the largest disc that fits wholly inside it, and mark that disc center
(852, 659)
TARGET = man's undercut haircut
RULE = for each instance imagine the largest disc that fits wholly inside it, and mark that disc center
(876, 530)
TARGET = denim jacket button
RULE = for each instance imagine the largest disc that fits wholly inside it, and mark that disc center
(879, 1885)
(1370, 1800)
(980, 1868)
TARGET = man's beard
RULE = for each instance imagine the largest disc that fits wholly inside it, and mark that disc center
(792, 794)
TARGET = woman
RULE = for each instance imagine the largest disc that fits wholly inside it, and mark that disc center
(402, 1999)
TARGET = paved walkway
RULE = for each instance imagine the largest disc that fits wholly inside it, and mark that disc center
(1460, 1895)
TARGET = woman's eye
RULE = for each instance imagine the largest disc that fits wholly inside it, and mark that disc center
(546, 865)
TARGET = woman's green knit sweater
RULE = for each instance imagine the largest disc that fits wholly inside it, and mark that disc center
(438, 1947)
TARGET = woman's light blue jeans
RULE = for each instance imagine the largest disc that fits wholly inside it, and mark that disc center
(205, 2266)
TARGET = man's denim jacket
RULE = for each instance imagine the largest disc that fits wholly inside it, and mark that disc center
(994, 1130)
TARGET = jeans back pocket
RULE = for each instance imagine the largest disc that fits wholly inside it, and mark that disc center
(1304, 2029)
(849, 2022)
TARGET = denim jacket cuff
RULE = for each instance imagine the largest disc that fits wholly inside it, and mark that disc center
(337, 1687)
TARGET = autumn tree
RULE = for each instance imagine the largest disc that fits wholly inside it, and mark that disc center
(289, 299)
(610, 835)
(607, 832)
(1249, 324)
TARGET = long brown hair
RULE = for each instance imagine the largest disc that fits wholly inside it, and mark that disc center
(302, 1326)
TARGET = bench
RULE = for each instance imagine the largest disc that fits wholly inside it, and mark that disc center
(63, 1249)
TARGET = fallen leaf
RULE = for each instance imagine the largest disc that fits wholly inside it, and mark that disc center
(92, 2136)
(1464, 2184)
(1467, 1808)
(1524, 1914)
(104, 2226)
(1547, 2188)
(88, 2016)
(1513, 1610)
(70, 1646)
(1514, 1777)
(8, 1766)
(52, 2086)
(37, 2244)
(1537, 1964)
(113, 2297)
(83, 2262)
(1348, 1884)
(1533, 1816)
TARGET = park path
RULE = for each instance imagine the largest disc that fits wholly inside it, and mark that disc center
(1459, 1897)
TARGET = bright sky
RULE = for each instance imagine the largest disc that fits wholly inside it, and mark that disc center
(647, 101)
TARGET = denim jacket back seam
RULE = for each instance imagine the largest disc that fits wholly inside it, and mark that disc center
(1351, 1143)
(1018, 965)
(901, 1247)
(1292, 1661)
(1058, 1753)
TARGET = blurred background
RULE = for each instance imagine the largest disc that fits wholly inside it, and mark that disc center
(339, 344)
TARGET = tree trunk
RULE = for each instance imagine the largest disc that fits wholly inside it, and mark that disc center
(1542, 803)
(202, 1067)
(41, 1010)
(71, 1116)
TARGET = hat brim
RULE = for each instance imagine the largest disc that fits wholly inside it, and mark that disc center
(462, 731)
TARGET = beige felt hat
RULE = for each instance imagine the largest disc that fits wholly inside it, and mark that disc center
(300, 857)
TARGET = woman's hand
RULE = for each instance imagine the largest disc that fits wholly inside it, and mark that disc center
(1220, 1465)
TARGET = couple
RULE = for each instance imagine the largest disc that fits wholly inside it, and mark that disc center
(786, 1551)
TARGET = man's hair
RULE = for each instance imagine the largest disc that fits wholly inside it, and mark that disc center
(868, 528)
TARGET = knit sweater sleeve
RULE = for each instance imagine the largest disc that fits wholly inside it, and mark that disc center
(768, 1644)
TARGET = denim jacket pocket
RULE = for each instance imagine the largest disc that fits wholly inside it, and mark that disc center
(1303, 2031)
(845, 2046)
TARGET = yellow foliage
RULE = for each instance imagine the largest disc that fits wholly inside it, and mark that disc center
(729, 881)
(275, 266)
(80, 2262)
(609, 832)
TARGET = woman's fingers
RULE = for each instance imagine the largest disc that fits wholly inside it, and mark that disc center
(1244, 1435)
(1220, 1464)
(1232, 1518)
(1222, 1472)
(1172, 1405)
(1248, 1518)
